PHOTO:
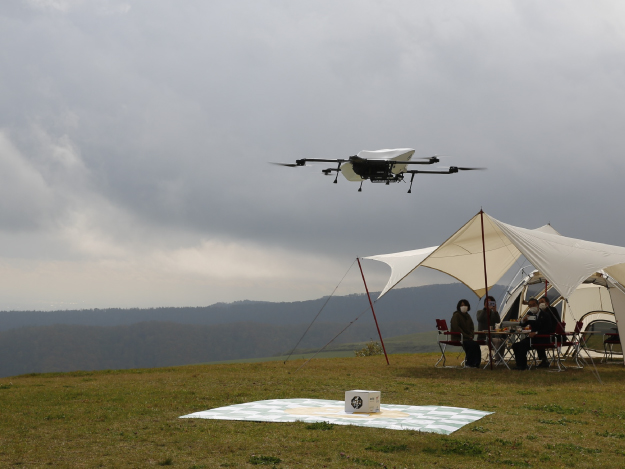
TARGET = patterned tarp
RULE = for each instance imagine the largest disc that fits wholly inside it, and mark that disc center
(435, 419)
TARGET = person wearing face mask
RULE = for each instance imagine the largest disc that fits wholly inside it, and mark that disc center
(462, 322)
(545, 306)
(551, 315)
(482, 325)
(541, 323)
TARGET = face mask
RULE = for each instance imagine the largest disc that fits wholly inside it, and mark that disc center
(542, 306)
(464, 309)
(533, 310)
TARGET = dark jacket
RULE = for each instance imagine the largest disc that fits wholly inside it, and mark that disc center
(552, 318)
(482, 321)
(462, 322)
(545, 322)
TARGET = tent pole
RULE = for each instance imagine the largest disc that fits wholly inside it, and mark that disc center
(372, 310)
(490, 351)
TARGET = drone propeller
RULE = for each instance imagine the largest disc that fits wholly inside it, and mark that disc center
(460, 168)
(293, 165)
(290, 165)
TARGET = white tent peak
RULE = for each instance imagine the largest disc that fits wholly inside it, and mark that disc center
(565, 262)
(461, 257)
(548, 229)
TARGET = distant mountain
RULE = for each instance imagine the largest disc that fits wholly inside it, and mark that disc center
(418, 306)
(34, 341)
(157, 344)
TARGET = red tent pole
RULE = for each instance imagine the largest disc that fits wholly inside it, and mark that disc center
(490, 347)
(372, 310)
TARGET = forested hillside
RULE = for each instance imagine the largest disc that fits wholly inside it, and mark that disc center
(416, 305)
(32, 342)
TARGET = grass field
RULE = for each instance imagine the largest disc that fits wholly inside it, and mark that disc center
(130, 418)
(420, 342)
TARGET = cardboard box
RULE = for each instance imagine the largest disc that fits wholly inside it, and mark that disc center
(359, 400)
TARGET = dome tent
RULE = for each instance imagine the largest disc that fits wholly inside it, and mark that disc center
(592, 303)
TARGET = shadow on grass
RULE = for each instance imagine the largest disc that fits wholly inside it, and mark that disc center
(538, 377)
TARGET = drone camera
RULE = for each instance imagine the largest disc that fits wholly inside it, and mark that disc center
(453, 169)
(300, 162)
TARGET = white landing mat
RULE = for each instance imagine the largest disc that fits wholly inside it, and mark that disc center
(435, 419)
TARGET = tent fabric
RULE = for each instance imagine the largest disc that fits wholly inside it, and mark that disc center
(617, 272)
(401, 263)
(589, 302)
(548, 229)
(460, 256)
(618, 303)
(591, 297)
(565, 262)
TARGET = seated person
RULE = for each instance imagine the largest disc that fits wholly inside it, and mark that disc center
(545, 306)
(482, 325)
(541, 323)
(462, 322)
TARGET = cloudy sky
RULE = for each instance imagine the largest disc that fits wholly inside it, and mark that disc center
(135, 138)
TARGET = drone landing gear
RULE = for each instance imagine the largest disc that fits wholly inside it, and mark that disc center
(337, 173)
(411, 179)
(360, 188)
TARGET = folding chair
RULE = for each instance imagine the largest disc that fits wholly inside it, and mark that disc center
(554, 345)
(574, 344)
(445, 333)
(610, 339)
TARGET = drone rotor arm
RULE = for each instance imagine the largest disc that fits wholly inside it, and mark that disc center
(450, 170)
(415, 171)
(323, 160)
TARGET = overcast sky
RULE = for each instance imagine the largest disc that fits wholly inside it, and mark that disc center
(135, 138)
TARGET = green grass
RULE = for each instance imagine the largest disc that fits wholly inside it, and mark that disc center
(420, 342)
(129, 418)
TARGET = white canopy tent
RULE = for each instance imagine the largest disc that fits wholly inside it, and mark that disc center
(565, 262)
(461, 256)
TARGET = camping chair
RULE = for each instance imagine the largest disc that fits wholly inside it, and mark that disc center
(456, 341)
(610, 339)
(574, 344)
(554, 345)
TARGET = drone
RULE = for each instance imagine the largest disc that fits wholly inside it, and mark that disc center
(379, 166)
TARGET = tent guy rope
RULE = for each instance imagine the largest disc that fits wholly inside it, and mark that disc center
(322, 308)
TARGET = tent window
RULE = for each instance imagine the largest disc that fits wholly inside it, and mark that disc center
(595, 341)
(534, 291)
(537, 290)
(513, 312)
(553, 296)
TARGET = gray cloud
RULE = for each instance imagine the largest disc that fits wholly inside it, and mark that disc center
(137, 127)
